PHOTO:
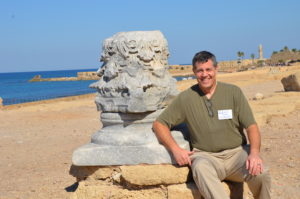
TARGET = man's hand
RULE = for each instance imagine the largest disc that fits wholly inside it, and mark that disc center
(182, 156)
(163, 133)
(254, 164)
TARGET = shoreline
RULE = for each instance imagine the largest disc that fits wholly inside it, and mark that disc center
(47, 101)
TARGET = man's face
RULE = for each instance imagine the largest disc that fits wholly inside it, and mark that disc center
(206, 75)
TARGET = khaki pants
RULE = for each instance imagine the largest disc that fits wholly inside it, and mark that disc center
(209, 169)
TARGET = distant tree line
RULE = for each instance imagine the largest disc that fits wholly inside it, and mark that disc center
(285, 49)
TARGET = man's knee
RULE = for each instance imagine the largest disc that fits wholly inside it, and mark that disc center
(202, 166)
(259, 179)
(260, 185)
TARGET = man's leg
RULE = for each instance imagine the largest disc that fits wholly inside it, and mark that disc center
(236, 170)
(207, 174)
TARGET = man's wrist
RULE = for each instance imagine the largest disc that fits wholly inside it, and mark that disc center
(174, 148)
(254, 151)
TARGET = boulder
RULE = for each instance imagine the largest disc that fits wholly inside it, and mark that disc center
(292, 82)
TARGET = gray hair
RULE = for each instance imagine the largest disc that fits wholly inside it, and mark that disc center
(203, 57)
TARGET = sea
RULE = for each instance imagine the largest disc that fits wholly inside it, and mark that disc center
(15, 87)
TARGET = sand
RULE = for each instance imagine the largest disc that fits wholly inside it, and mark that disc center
(37, 140)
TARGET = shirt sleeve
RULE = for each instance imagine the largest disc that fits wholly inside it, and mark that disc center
(245, 115)
(173, 115)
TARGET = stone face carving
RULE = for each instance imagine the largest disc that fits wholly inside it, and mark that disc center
(134, 76)
(134, 87)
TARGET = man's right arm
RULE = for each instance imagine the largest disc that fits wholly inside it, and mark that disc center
(163, 134)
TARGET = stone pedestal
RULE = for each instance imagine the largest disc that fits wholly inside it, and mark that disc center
(126, 139)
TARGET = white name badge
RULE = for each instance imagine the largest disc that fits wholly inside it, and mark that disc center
(225, 114)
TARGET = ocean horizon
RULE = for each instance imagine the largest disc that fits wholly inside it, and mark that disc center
(15, 87)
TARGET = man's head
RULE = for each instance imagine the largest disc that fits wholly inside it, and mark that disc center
(204, 56)
(205, 69)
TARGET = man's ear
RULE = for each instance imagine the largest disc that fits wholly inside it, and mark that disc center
(194, 71)
(217, 68)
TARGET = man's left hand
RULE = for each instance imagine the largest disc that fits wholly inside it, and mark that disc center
(254, 164)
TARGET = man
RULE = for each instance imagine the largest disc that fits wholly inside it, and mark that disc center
(216, 114)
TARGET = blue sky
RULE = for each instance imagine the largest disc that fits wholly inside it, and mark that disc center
(41, 35)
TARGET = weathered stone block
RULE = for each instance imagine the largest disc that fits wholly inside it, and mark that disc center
(145, 175)
(186, 191)
(190, 191)
(92, 172)
(85, 191)
(292, 82)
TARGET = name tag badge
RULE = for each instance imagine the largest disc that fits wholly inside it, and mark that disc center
(225, 114)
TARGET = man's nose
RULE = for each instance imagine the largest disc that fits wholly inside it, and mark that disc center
(205, 73)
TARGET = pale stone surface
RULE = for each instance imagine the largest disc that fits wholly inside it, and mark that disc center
(292, 82)
(102, 191)
(94, 154)
(145, 175)
(134, 76)
(126, 140)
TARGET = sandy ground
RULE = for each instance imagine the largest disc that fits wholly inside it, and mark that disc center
(37, 141)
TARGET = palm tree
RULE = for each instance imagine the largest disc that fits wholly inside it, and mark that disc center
(294, 50)
(240, 54)
(252, 57)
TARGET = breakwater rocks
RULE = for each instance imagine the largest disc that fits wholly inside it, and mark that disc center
(141, 181)
(80, 76)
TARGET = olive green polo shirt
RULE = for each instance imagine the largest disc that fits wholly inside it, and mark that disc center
(211, 132)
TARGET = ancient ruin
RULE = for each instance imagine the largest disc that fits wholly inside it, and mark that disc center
(134, 87)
